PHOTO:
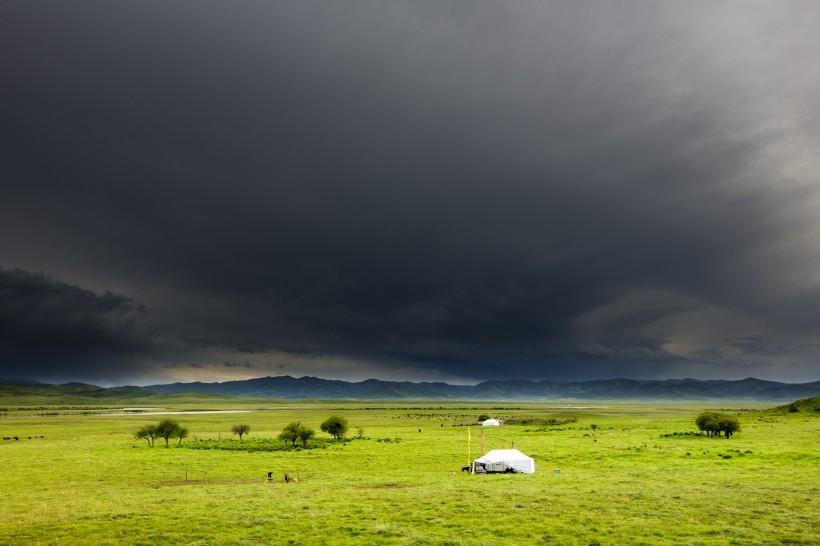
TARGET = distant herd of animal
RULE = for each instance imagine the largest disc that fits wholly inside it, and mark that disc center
(17, 437)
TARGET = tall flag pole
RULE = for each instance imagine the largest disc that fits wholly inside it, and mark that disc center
(469, 450)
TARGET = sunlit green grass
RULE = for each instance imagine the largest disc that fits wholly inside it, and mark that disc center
(89, 482)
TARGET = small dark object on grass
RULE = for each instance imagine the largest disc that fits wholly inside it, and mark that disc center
(270, 476)
(465, 468)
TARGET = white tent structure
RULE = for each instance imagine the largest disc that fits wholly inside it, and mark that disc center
(504, 460)
(491, 423)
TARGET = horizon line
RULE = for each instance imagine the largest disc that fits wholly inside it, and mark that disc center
(22, 380)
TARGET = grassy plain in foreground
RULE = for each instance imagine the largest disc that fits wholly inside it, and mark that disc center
(631, 481)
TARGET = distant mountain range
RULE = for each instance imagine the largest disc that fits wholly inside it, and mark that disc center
(373, 389)
(621, 389)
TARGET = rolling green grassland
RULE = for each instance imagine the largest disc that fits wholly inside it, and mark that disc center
(88, 481)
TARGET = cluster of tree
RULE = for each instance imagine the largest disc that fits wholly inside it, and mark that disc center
(166, 429)
(297, 432)
(714, 423)
(293, 433)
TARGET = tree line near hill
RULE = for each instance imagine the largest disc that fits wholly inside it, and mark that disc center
(292, 433)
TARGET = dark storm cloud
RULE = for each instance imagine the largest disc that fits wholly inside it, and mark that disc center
(477, 190)
(49, 328)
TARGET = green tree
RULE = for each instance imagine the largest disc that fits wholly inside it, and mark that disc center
(147, 433)
(728, 425)
(305, 434)
(180, 433)
(166, 429)
(708, 422)
(335, 426)
(290, 434)
(241, 430)
(482, 417)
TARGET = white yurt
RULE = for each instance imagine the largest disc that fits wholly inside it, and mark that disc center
(491, 423)
(504, 460)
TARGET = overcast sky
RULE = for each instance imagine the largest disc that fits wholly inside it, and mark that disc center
(423, 190)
